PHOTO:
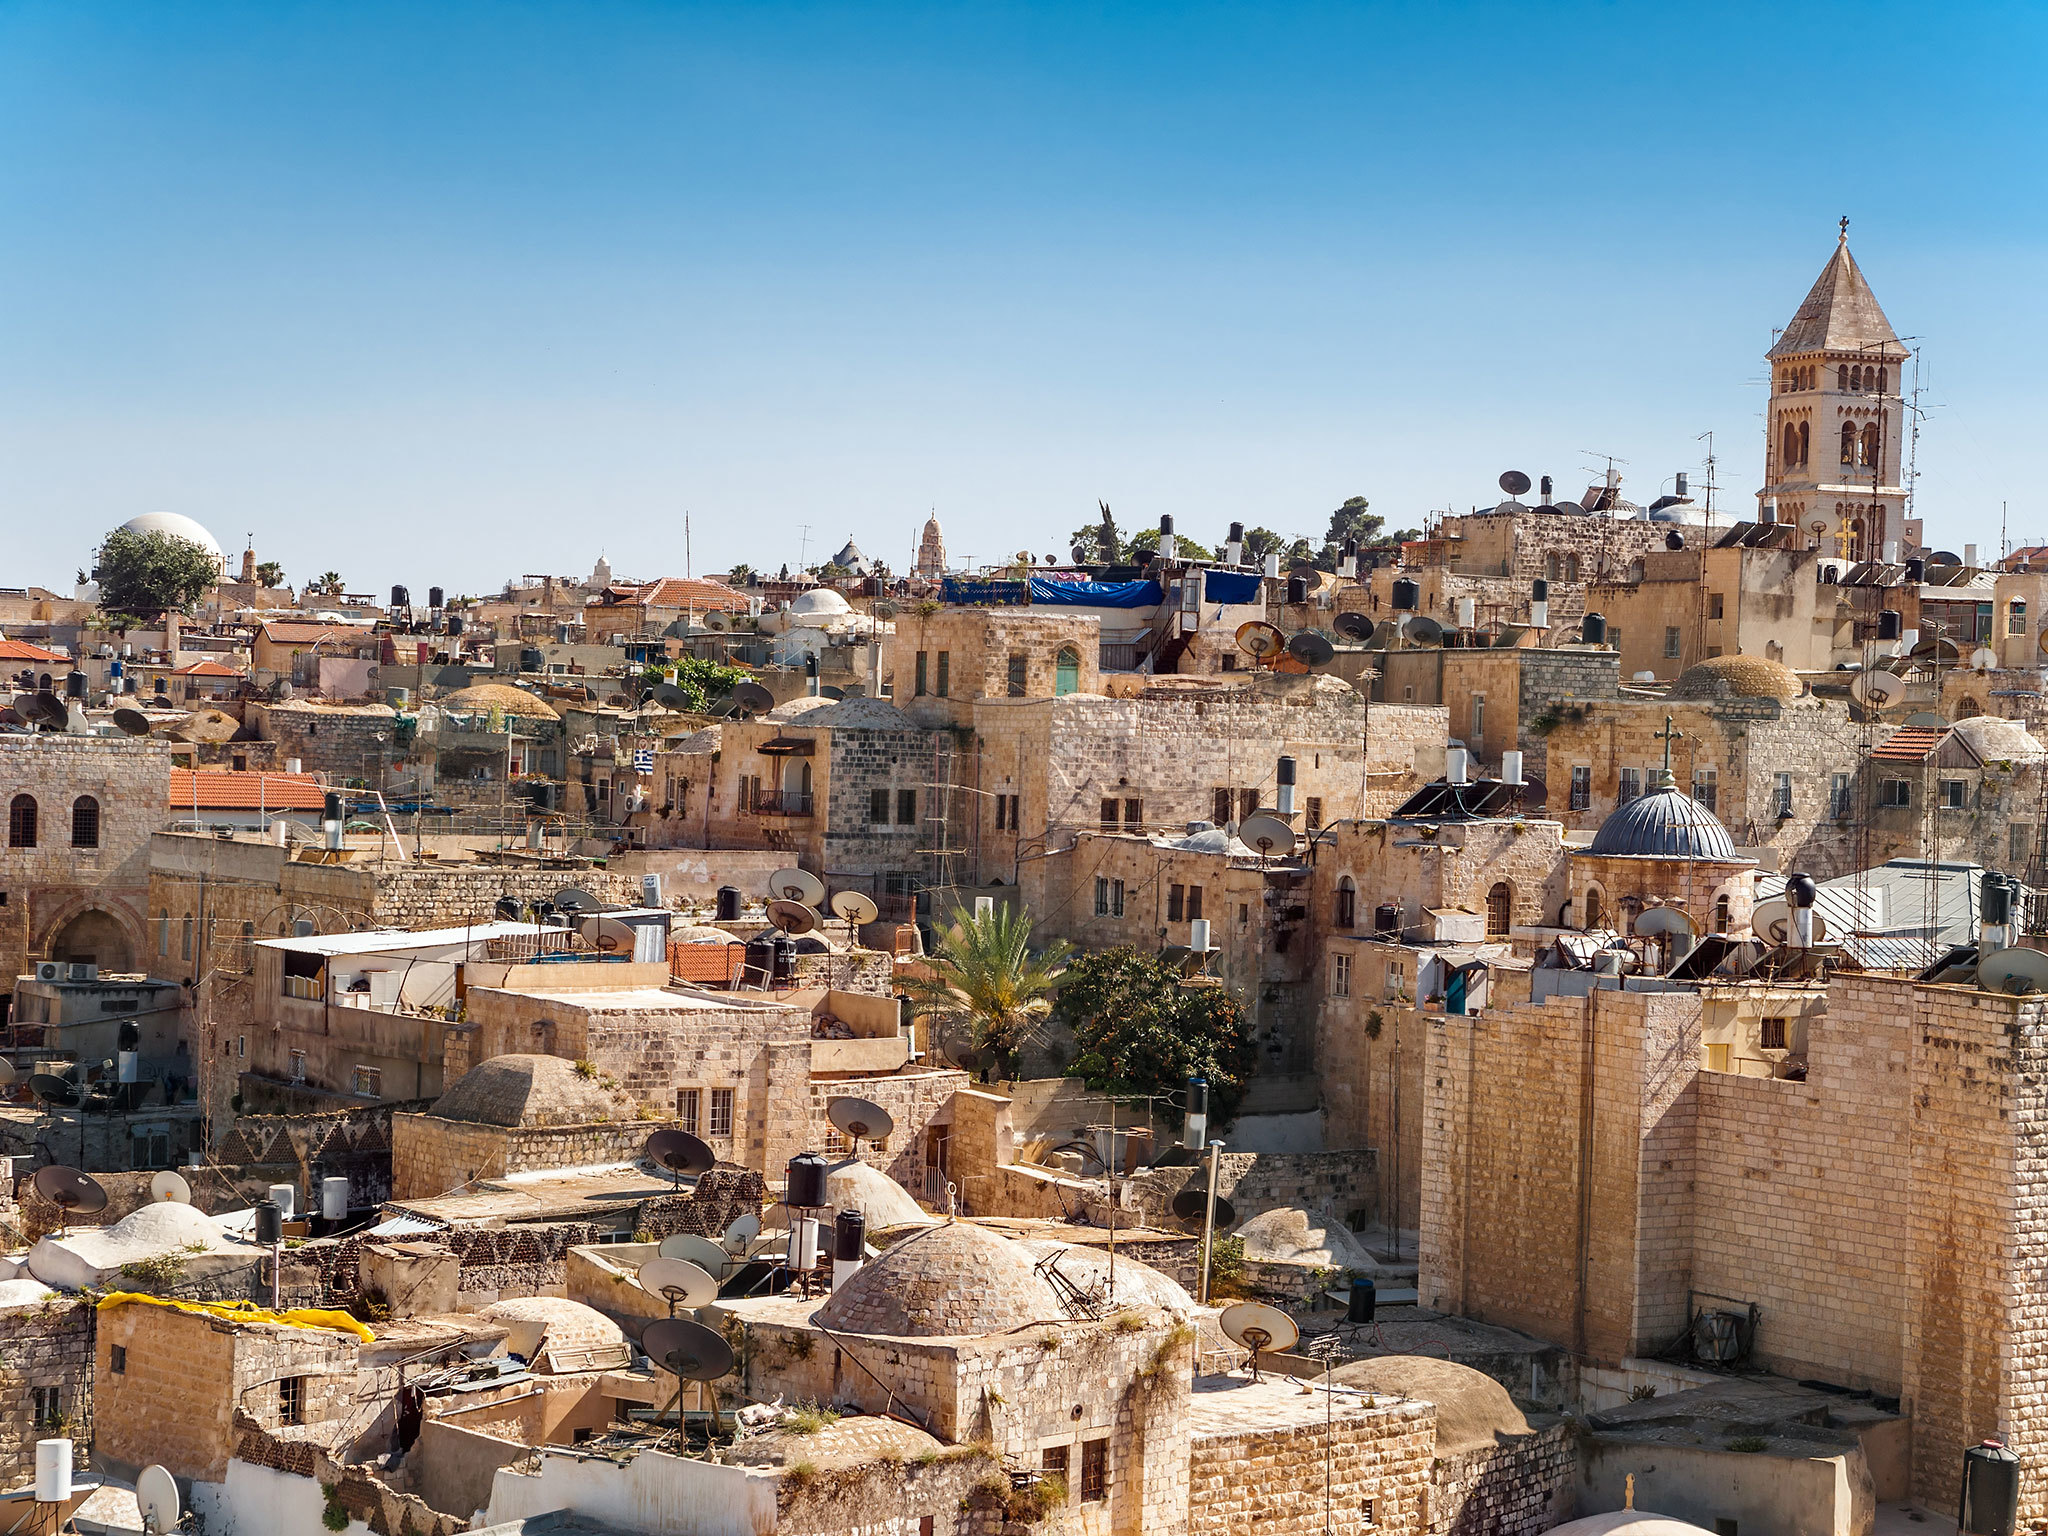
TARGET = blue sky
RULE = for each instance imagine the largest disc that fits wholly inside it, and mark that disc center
(443, 293)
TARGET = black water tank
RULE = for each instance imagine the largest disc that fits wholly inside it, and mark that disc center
(1593, 629)
(1165, 524)
(1889, 624)
(1546, 489)
(1539, 590)
(454, 623)
(434, 596)
(331, 808)
(1406, 596)
(1365, 1297)
(1386, 917)
(400, 598)
(1236, 534)
(728, 903)
(1916, 570)
(784, 968)
(808, 1172)
(760, 961)
(1991, 1491)
(74, 686)
(1284, 774)
(269, 1221)
(850, 1237)
(1996, 898)
(1297, 589)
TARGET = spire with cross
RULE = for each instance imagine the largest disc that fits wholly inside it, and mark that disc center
(1668, 735)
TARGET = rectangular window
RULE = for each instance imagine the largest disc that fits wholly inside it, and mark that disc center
(1102, 895)
(1016, 675)
(1015, 824)
(1175, 901)
(2016, 619)
(1340, 975)
(1781, 795)
(1219, 812)
(1094, 1470)
(1674, 640)
(291, 1400)
(1706, 786)
(945, 683)
(1194, 902)
(185, 940)
(878, 807)
(298, 1066)
(49, 1405)
(1134, 815)
(1314, 821)
(1477, 743)
(721, 1112)
(923, 674)
(1955, 794)
(1582, 787)
(1396, 979)
(241, 1047)
(1365, 1512)
(117, 1360)
(1052, 1461)
(1838, 796)
(689, 1107)
(1771, 1036)
(906, 807)
(1894, 792)
(1110, 809)
(1631, 787)
(1116, 898)
(1713, 605)
(369, 1082)
(1719, 1057)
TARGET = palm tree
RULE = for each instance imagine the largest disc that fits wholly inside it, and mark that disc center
(330, 583)
(985, 979)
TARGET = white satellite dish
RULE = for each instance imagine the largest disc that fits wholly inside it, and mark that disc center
(679, 1282)
(1878, 690)
(700, 1251)
(1266, 832)
(1983, 659)
(2016, 972)
(1821, 524)
(797, 885)
(607, 935)
(717, 621)
(156, 1497)
(170, 1186)
(1258, 1328)
(1661, 920)
(1772, 920)
(744, 1229)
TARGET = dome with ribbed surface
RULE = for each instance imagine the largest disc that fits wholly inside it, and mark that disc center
(1738, 677)
(946, 1282)
(1666, 823)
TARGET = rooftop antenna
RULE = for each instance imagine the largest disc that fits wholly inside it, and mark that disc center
(689, 1352)
(687, 572)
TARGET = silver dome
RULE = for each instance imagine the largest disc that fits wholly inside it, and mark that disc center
(1667, 823)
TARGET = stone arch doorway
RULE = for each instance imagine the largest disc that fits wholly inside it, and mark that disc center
(95, 935)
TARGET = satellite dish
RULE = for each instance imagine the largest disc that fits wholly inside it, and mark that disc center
(1531, 792)
(69, 1190)
(1773, 920)
(1357, 627)
(753, 698)
(792, 917)
(10, 1074)
(700, 1251)
(2016, 972)
(2044, 640)
(1878, 690)
(1189, 1205)
(1258, 639)
(169, 1187)
(680, 1152)
(1312, 648)
(860, 1119)
(156, 1497)
(1820, 524)
(49, 709)
(1659, 920)
(131, 722)
(744, 1229)
(53, 1090)
(1258, 1328)
(572, 899)
(1421, 629)
(506, 909)
(1942, 558)
(830, 691)
(1570, 509)
(855, 907)
(796, 885)
(12, 716)
(1266, 832)
(672, 698)
(677, 1282)
(1925, 720)
(1983, 659)
(607, 935)
(963, 1056)
(1514, 482)
(717, 621)
(687, 1350)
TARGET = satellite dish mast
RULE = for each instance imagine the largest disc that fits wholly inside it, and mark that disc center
(860, 1120)
(1258, 1328)
(689, 1352)
(156, 1497)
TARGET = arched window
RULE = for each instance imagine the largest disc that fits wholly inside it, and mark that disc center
(1842, 378)
(1884, 376)
(21, 822)
(1789, 452)
(185, 938)
(85, 822)
(1968, 708)
(1571, 567)
(1347, 903)
(1870, 453)
(1553, 566)
(1066, 672)
(1500, 905)
(1805, 440)
(1848, 442)
(1855, 380)
(1594, 911)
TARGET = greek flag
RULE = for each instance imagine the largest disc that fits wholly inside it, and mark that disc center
(643, 759)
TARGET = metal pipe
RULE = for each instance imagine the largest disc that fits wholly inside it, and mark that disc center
(1209, 1219)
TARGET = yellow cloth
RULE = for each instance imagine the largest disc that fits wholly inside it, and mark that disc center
(247, 1312)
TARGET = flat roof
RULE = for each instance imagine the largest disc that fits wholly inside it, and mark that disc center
(580, 1194)
(377, 940)
(1226, 1407)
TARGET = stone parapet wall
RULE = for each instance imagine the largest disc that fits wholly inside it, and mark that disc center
(1281, 1482)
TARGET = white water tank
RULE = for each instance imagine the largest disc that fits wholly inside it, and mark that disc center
(286, 1196)
(53, 1471)
(334, 1199)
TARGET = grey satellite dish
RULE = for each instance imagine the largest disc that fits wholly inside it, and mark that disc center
(156, 1499)
(1192, 1204)
(794, 918)
(1311, 648)
(1571, 509)
(2017, 972)
(131, 722)
(1880, 690)
(963, 1056)
(506, 909)
(1662, 920)
(69, 1190)
(856, 907)
(678, 1282)
(753, 698)
(672, 698)
(1420, 629)
(1942, 559)
(680, 1152)
(169, 1187)
(860, 1119)
(1259, 1329)
(797, 885)
(1266, 832)
(571, 898)
(54, 1090)
(1926, 720)
(1514, 482)
(1355, 627)
(50, 710)
(700, 1251)
(717, 621)
(744, 1229)
(607, 935)
(687, 1350)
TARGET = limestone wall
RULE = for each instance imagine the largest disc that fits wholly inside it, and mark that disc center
(44, 1346)
(432, 1156)
(1274, 1480)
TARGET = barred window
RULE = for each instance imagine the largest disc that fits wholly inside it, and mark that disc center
(721, 1112)
(1094, 1470)
(689, 1108)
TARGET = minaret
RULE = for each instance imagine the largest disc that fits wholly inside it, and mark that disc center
(931, 550)
(1835, 423)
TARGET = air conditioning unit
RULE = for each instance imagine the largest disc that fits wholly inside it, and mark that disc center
(84, 970)
(49, 970)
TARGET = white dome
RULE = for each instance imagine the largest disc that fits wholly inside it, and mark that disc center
(178, 526)
(819, 603)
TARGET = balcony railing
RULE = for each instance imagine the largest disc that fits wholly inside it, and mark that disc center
(781, 802)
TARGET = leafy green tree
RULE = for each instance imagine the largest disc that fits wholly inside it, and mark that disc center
(152, 573)
(831, 571)
(985, 981)
(1258, 540)
(1142, 1031)
(704, 682)
(270, 574)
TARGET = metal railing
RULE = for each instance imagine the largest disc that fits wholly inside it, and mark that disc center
(781, 802)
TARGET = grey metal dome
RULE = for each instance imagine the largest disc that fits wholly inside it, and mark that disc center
(1667, 823)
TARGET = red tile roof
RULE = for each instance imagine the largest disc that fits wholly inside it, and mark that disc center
(221, 789)
(21, 650)
(1908, 744)
(207, 667)
(689, 592)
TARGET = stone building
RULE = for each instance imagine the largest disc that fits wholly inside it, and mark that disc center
(345, 742)
(1661, 849)
(931, 551)
(1970, 792)
(939, 666)
(46, 1374)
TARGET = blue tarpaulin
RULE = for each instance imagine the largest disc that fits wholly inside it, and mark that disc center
(1095, 594)
(1230, 586)
(954, 590)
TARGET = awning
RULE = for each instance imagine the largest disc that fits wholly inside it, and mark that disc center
(788, 746)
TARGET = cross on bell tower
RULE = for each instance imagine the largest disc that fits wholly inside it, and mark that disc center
(1668, 735)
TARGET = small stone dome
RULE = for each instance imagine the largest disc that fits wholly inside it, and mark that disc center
(525, 1091)
(1738, 677)
(1138, 1284)
(819, 603)
(178, 526)
(1472, 1409)
(1666, 823)
(558, 1334)
(1628, 1522)
(481, 697)
(949, 1281)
